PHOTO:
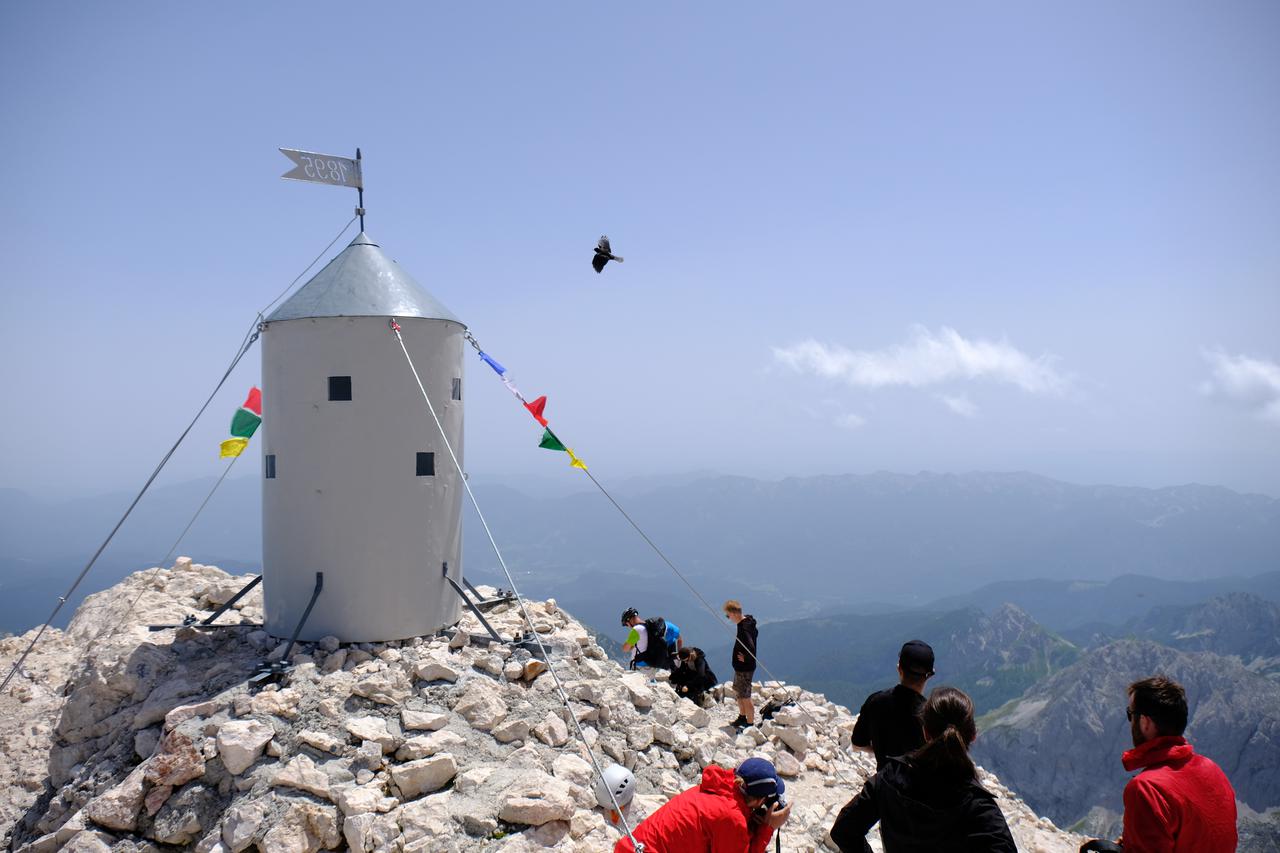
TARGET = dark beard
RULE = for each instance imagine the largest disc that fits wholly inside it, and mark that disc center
(1136, 731)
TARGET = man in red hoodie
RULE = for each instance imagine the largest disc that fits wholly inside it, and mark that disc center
(1180, 802)
(731, 811)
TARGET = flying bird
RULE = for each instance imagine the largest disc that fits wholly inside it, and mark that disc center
(603, 255)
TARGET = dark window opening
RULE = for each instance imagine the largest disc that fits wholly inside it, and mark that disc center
(339, 387)
(270, 462)
(457, 388)
(426, 464)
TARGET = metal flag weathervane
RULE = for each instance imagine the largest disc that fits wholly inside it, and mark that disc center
(327, 169)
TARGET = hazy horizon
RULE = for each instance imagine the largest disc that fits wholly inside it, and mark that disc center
(534, 484)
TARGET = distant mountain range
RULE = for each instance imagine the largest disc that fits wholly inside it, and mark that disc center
(799, 546)
(1076, 608)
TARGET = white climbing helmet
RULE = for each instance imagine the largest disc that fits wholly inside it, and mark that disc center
(617, 780)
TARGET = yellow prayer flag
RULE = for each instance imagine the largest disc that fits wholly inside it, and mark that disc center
(233, 447)
(574, 461)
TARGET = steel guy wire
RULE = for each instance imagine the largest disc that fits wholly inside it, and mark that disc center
(246, 344)
(573, 718)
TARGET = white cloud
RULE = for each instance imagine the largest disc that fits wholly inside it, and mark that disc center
(850, 420)
(926, 359)
(1246, 381)
(960, 404)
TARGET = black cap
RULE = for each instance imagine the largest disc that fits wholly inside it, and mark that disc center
(916, 658)
(629, 614)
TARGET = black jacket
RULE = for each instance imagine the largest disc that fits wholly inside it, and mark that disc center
(747, 635)
(889, 723)
(921, 814)
(698, 678)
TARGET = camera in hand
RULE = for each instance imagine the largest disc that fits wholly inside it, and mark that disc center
(770, 801)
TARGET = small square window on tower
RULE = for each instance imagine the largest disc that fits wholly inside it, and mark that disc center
(269, 466)
(457, 387)
(339, 387)
(426, 464)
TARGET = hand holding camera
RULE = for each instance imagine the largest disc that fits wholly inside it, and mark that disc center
(777, 811)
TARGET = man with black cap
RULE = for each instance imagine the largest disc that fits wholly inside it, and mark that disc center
(734, 810)
(889, 722)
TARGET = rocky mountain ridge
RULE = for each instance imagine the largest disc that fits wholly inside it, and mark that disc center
(1060, 743)
(119, 739)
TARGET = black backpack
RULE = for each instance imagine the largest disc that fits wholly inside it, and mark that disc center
(656, 653)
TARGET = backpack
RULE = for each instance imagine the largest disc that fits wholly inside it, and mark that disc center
(656, 654)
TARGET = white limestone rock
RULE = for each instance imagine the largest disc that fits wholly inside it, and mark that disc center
(424, 776)
(537, 798)
(240, 742)
(481, 705)
(412, 720)
(424, 746)
(372, 729)
(118, 807)
(510, 730)
(302, 773)
(434, 669)
(552, 731)
(240, 824)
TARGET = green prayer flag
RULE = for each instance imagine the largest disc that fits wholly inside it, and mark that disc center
(245, 423)
(550, 442)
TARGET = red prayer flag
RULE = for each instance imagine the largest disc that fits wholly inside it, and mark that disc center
(254, 401)
(535, 408)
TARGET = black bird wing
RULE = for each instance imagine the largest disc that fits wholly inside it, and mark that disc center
(603, 245)
(598, 261)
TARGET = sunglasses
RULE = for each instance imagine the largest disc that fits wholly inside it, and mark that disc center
(1129, 714)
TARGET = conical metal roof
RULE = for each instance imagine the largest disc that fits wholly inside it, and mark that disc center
(362, 282)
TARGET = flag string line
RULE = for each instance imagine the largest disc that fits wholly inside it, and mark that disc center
(246, 343)
(501, 371)
(573, 718)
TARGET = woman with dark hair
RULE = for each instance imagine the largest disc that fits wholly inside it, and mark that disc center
(930, 799)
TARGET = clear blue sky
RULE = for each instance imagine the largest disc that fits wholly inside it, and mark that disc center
(948, 237)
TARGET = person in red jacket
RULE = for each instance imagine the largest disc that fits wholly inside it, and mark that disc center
(1180, 802)
(731, 811)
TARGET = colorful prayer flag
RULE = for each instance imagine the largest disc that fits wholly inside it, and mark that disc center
(575, 462)
(497, 368)
(233, 447)
(244, 423)
(513, 389)
(535, 408)
(550, 442)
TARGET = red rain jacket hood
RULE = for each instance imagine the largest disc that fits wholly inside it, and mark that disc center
(1180, 802)
(711, 818)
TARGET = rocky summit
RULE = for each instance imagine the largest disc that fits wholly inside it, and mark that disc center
(117, 738)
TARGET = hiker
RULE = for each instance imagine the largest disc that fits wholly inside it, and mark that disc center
(889, 722)
(643, 631)
(692, 678)
(929, 799)
(744, 661)
(730, 810)
(1179, 801)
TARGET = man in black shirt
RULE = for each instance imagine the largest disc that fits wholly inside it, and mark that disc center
(889, 722)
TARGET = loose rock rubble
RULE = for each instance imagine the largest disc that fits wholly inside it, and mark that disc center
(119, 739)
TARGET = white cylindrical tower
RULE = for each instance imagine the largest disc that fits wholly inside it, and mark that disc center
(357, 481)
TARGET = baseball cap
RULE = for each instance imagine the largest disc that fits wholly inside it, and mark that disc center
(916, 658)
(760, 778)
